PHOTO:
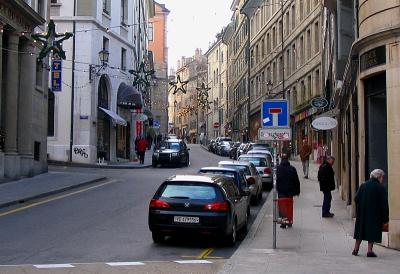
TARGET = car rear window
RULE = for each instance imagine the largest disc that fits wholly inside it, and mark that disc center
(171, 145)
(239, 167)
(225, 173)
(189, 191)
(257, 161)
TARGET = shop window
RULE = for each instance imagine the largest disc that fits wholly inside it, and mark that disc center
(124, 12)
(107, 6)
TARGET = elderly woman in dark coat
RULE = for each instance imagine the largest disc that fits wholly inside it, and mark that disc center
(372, 212)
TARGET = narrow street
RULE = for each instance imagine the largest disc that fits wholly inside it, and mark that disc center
(104, 223)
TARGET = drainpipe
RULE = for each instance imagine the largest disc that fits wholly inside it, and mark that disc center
(71, 136)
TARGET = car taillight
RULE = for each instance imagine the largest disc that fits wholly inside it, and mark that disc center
(267, 170)
(158, 204)
(220, 206)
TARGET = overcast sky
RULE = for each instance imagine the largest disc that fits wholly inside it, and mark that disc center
(193, 24)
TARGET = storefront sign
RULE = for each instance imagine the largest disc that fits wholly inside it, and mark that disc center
(305, 114)
(324, 123)
(56, 80)
(319, 102)
(373, 58)
(274, 134)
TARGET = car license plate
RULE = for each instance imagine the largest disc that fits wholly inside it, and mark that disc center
(186, 220)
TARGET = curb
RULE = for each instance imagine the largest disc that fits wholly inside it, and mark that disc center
(68, 164)
(249, 237)
(49, 193)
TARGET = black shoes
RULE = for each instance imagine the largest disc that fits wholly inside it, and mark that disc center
(327, 215)
(305, 177)
(371, 254)
(283, 226)
(354, 253)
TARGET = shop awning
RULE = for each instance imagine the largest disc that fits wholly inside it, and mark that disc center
(128, 97)
(115, 117)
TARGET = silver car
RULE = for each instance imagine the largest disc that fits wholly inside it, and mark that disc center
(253, 177)
(263, 165)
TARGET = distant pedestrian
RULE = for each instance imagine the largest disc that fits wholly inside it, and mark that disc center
(305, 153)
(142, 147)
(288, 183)
(326, 178)
(136, 144)
(372, 212)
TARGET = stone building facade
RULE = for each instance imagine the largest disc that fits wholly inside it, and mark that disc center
(100, 127)
(188, 118)
(368, 136)
(23, 89)
(286, 62)
(217, 82)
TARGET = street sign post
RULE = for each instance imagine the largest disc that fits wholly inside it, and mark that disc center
(275, 127)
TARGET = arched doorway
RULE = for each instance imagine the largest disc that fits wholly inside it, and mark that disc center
(103, 123)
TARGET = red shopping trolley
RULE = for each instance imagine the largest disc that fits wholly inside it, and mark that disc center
(285, 206)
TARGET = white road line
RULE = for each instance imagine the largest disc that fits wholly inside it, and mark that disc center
(124, 263)
(53, 265)
(193, 262)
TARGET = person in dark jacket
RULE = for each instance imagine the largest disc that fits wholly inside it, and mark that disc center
(326, 178)
(287, 181)
(372, 211)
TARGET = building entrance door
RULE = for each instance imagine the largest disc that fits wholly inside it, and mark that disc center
(376, 124)
(103, 122)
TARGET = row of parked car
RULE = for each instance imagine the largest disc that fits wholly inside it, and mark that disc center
(216, 201)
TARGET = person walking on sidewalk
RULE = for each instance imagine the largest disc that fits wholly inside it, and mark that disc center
(372, 211)
(326, 178)
(287, 183)
(142, 147)
(305, 153)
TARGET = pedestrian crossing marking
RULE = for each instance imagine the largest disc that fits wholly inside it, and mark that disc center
(125, 263)
(45, 266)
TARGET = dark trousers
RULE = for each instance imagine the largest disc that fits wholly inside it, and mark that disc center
(326, 205)
(141, 157)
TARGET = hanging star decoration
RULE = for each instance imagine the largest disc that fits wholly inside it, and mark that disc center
(51, 41)
(179, 85)
(142, 76)
(202, 97)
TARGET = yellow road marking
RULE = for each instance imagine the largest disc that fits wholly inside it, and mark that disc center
(55, 198)
(204, 255)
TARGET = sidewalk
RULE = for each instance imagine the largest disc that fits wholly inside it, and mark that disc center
(112, 165)
(43, 185)
(313, 245)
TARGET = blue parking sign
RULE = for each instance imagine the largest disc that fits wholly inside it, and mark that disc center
(275, 114)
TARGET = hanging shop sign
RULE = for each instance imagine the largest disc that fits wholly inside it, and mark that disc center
(324, 123)
(140, 117)
(373, 58)
(56, 72)
(319, 102)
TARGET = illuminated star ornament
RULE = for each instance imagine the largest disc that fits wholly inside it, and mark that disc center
(202, 97)
(179, 85)
(52, 41)
(142, 76)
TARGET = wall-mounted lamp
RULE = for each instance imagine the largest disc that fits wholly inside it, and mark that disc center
(95, 69)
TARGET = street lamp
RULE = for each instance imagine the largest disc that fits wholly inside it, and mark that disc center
(95, 69)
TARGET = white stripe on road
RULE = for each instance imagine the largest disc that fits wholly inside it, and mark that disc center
(193, 262)
(124, 263)
(53, 265)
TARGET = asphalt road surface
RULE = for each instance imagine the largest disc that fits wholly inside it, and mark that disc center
(106, 223)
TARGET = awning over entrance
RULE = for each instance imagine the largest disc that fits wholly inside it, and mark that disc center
(129, 97)
(115, 117)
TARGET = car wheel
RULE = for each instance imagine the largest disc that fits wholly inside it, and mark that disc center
(231, 238)
(254, 199)
(157, 237)
(245, 227)
(154, 164)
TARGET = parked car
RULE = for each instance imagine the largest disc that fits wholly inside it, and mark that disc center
(171, 136)
(252, 176)
(261, 146)
(236, 174)
(263, 165)
(172, 151)
(241, 149)
(223, 148)
(263, 152)
(198, 204)
(211, 145)
(233, 151)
